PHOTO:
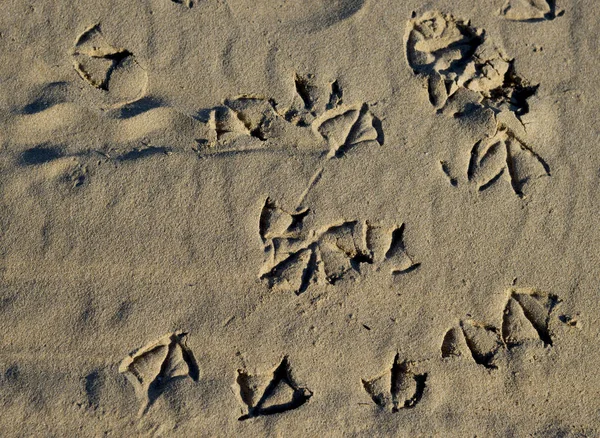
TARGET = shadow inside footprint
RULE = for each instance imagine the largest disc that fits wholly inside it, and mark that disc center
(280, 395)
(152, 368)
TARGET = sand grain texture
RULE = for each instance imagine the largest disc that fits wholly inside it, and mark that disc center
(301, 219)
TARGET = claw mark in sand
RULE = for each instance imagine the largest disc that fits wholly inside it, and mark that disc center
(401, 387)
(150, 368)
(270, 394)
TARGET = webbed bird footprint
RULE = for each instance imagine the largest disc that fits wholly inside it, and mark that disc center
(245, 115)
(310, 113)
(345, 128)
(452, 55)
(151, 367)
(529, 10)
(311, 99)
(469, 77)
(306, 101)
(294, 263)
(525, 323)
(483, 341)
(258, 116)
(271, 393)
(386, 246)
(296, 257)
(505, 155)
(114, 71)
(275, 222)
(398, 388)
(527, 317)
(342, 126)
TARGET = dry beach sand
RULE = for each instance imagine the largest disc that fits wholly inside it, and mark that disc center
(299, 218)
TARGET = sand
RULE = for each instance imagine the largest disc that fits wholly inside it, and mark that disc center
(356, 218)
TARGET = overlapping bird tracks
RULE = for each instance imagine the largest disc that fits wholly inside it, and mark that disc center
(323, 115)
(296, 257)
(468, 76)
(526, 322)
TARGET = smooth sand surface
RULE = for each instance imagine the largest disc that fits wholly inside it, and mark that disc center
(311, 218)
